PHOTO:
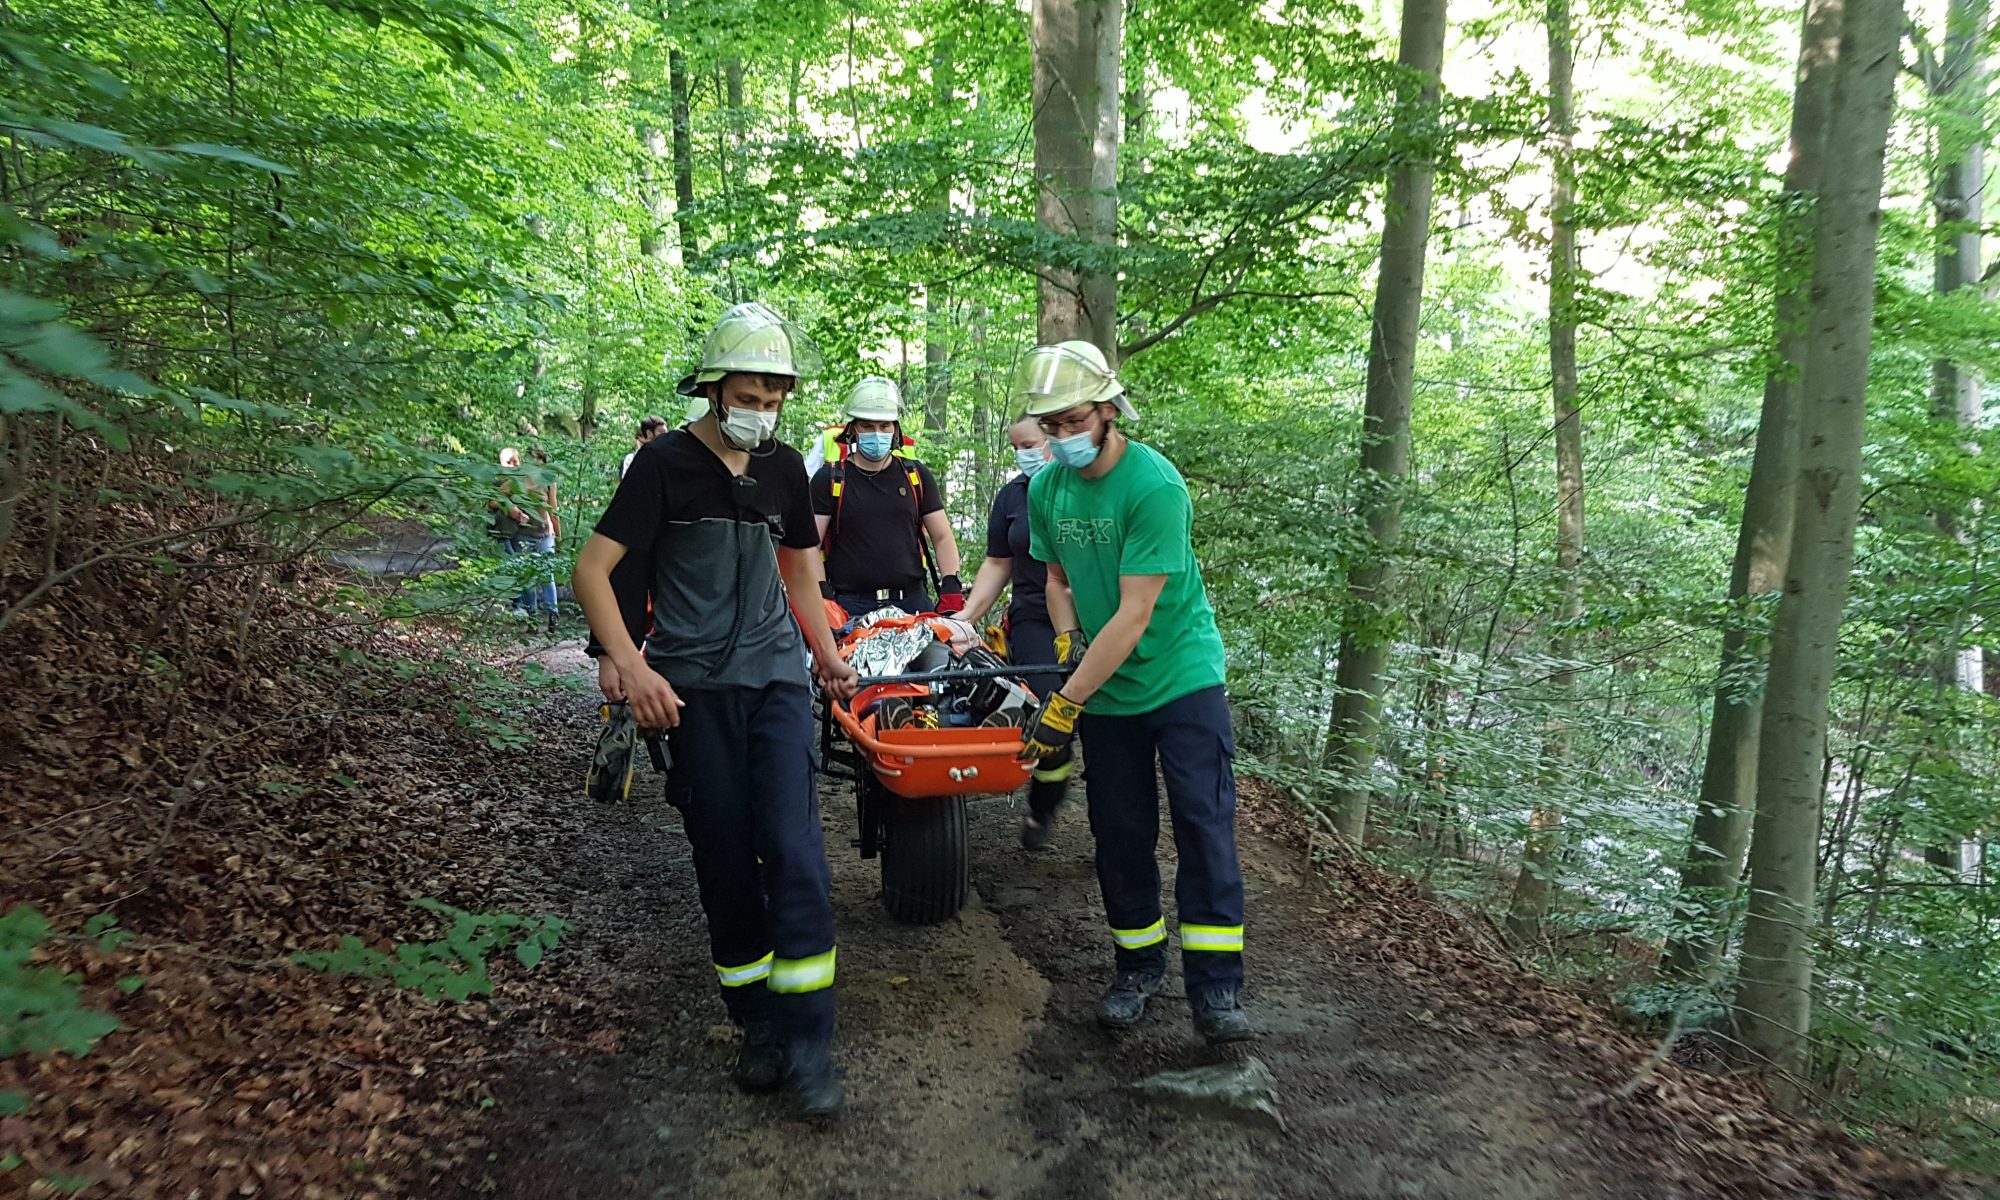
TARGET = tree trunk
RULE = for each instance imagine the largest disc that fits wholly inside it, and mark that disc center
(937, 297)
(677, 84)
(1774, 1001)
(652, 150)
(1958, 95)
(739, 119)
(1536, 882)
(1076, 162)
(1385, 431)
(1713, 863)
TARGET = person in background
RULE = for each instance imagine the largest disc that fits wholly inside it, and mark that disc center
(529, 509)
(719, 509)
(875, 509)
(1114, 521)
(649, 428)
(1030, 636)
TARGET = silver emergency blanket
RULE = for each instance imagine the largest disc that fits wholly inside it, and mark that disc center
(886, 612)
(891, 651)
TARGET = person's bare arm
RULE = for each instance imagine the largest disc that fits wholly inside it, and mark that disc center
(801, 573)
(652, 698)
(1137, 596)
(1062, 604)
(986, 588)
(943, 542)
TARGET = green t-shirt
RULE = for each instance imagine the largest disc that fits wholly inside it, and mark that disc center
(1137, 520)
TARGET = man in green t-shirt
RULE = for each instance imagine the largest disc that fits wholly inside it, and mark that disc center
(1113, 520)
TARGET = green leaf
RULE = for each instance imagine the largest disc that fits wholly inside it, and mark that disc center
(232, 154)
(530, 954)
(13, 1104)
(131, 983)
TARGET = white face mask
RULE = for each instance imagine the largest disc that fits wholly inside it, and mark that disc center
(1031, 460)
(747, 428)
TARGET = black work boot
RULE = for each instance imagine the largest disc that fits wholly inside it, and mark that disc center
(1044, 800)
(1218, 1018)
(760, 1062)
(811, 1082)
(1125, 1000)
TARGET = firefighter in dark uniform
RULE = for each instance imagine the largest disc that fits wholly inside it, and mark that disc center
(1030, 636)
(1113, 520)
(881, 514)
(719, 508)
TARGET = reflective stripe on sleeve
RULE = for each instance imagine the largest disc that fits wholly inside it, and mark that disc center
(1139, 939)
(802, 974)
(748, 973)
(1212, 937)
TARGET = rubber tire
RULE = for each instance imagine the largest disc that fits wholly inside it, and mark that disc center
(926, 861)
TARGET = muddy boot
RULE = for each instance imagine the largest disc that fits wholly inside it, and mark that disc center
(760, 1062)
(1125, 1001)
(1218, 1018)
(811, 1082)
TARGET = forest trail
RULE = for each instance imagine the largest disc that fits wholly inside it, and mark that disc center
(1406, 1066)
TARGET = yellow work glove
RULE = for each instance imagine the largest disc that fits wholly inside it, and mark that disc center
(1052, 729)
(1070, 647)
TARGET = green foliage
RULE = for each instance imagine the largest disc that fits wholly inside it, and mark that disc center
(41, 1008)
(452, 968)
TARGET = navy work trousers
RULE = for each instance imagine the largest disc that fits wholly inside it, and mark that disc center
(744, 760)
(1190, 740)
(1031, 641)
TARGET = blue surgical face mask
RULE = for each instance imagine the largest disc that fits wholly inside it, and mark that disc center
(874, 445)
(1031, 460)
(1076, 451)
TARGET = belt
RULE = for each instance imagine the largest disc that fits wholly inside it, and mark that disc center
(895, 593)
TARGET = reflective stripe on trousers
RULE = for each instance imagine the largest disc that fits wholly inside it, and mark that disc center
(1135, 939)
(748, 973)
(791, 975)
(1212, 937)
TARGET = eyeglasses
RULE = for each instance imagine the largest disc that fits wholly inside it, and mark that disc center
(1074, 421)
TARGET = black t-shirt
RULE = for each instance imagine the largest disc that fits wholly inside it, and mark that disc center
(720, 617)
(1007, 537)
(876, 523)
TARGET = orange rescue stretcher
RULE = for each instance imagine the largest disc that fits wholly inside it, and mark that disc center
(912, 775)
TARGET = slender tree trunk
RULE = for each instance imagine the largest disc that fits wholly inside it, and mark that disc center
(1076, 162)
(1774, 1001)
(652, 151)
(1713, 863)
(677, 85)
(1536, 882)
(739, 117)
(937, 296)
(1385, 433)
(1959, 97)
(586, 417)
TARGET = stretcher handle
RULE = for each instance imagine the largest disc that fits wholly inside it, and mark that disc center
(948, 675)
(874, 745)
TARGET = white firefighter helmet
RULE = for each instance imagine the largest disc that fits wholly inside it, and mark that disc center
(752, 338)
(1057, 378)
(874, 399)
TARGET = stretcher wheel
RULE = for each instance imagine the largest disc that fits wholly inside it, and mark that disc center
(925, 863)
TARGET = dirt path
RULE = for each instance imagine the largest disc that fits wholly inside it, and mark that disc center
(974, 1067)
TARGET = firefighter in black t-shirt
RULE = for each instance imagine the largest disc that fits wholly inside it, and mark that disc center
(719, 513)
(875, 508)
